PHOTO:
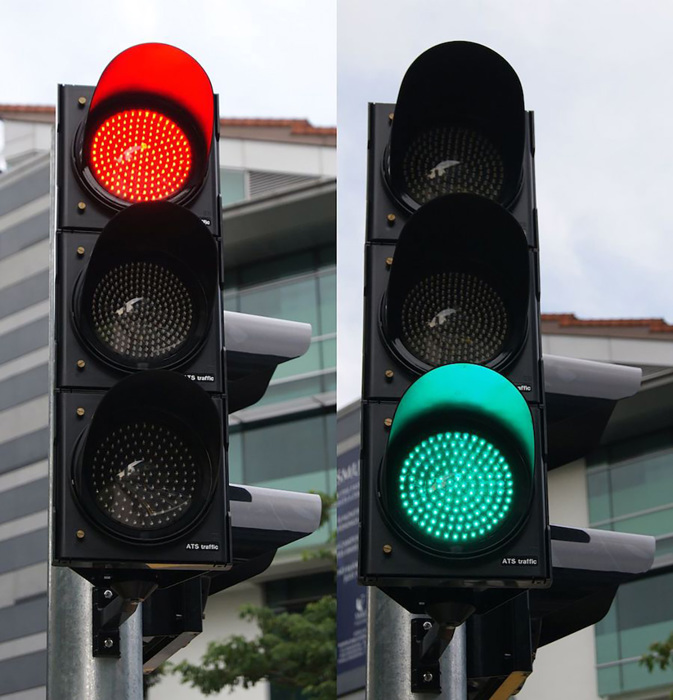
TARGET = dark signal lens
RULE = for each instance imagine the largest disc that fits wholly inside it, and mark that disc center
(452, 159)
(453, 317)
(140, 156)
(142, 311)
(144, 476)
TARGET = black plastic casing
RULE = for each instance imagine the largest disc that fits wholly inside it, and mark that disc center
(81, 216)
(386, 376)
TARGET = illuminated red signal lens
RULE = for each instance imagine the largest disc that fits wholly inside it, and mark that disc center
(140, 156)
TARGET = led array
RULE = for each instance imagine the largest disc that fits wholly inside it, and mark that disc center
(446, 160)
(141, 310)
(453, 317)
(455, 488)
(140, 156)
(144, 475)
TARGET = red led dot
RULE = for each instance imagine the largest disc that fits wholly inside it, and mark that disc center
(144, 161)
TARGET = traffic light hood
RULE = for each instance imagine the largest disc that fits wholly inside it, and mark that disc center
(148, 292)
(464, 389)
(459, 126)
(458, 288)
(161, 71)
(149, 129)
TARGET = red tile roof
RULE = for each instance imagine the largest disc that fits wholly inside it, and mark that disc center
(653, 325)
(297, 126)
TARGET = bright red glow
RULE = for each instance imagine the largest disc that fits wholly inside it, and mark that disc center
(140, 156)
(165, 72)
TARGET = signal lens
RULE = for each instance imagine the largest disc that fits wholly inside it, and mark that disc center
(448, 160)
(453, 317)
(140, 156)
(142, 311)
(144, 476)
(455, 488)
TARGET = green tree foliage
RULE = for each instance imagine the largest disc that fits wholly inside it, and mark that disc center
(660, 655)
(293, 649)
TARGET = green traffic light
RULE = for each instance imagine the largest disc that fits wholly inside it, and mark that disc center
(456, 487)
(459, 464)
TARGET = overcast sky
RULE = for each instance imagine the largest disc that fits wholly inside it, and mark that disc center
(599, 76)
(265, 58)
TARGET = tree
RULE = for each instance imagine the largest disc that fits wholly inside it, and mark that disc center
(660, 655)
(293, 649)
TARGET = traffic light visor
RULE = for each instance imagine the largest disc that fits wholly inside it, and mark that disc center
(458, 287)
(146, 298)
(458, 127)
(457, 476)
(149, 128)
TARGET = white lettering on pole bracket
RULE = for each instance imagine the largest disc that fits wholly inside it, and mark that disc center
(201, 546)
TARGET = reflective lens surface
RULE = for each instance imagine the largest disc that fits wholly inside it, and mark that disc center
(141, 310)
(455, 488)
(144, 476)
(450, 159)
(453, 317)
(140, 156)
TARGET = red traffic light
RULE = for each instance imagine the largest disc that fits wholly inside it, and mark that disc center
(149, 129)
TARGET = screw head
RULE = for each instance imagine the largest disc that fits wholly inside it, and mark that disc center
(108, 643)
(81, 101)
(391, 116)
(388, 422)
(80, 250)
(389, 262)
(391, 218)
(427, 625)
(81, 364)
(80, 411)
(79, 534)
(427, 677)
(108, 594)
(81, 206)
(387, 549)
(389, 374)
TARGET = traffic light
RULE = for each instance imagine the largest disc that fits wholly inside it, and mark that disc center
(453, 480)
(139, 388)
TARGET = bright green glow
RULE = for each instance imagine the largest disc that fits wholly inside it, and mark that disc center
(455, 487)
(468, 389)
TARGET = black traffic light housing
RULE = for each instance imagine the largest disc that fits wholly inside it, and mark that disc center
(140, 391)
(451, 277)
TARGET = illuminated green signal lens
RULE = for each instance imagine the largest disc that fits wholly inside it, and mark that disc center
(455, 487)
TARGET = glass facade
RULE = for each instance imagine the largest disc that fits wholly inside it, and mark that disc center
(297, 287)
(631, 490)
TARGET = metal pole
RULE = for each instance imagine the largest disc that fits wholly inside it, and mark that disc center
(389, 658)
(73, 672)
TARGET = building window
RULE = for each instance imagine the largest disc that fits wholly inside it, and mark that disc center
(630, 488)
(297, 287)
(233, 186)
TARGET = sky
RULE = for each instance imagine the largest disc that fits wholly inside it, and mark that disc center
(599, 76)
(264, 58)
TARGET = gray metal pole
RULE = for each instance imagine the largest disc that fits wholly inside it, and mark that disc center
(73, 672)
(389, 658)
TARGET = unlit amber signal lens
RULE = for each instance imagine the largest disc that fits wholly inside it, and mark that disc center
(140, 156)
